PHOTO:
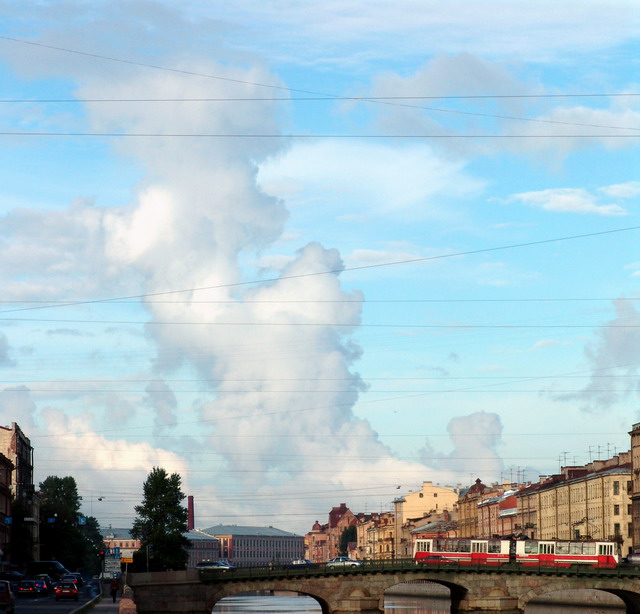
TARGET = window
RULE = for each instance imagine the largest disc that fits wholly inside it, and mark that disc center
(616, 510)
(616, 488)
(629, 486)
(616, 529)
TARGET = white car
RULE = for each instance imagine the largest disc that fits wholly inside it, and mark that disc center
(343, 561)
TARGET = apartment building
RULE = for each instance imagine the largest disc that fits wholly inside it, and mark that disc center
(6, 469)
(468, 507)
(429, 499)
(380, 536)
(593, 501)
(497, 516)
(635, 488)
(25, 513)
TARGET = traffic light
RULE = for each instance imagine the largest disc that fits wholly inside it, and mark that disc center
(101, 555)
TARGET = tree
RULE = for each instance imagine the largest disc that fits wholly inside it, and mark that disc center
(348, 535)
(161, 524)
(66, 535)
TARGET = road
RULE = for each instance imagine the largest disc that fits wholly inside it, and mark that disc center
(48, 605)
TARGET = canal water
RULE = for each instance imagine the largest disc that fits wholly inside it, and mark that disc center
(593, 602)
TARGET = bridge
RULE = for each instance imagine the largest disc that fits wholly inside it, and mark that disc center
(474, 588)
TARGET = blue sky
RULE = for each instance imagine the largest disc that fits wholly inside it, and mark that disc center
(305, 254)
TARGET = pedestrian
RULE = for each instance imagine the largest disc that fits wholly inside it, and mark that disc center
(114, 589)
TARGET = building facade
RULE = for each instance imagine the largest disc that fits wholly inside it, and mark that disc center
(247, 546)
(120, 541)
(6, 469)
(202, 547)
(16, 446)
(589, 502)
(635, 487)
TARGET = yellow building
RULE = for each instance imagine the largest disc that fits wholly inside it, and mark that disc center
(380, 536)
(429, 499)
(635, 487)
(593, 502)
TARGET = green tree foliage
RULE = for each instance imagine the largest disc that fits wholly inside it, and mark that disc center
(161, 524)
(66, 535)
(348, 535)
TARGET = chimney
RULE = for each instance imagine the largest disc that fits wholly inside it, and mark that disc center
(190, 523)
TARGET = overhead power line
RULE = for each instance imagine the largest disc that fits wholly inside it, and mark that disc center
(363, 267)
(385, 100)
(316, 96)
(296, 90)
(313, 136)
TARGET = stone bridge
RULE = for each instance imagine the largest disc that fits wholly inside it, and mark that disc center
(478, 589)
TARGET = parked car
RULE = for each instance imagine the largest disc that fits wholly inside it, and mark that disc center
(215, 566)
(67, 590)
(298, 563)
(343, 561)
(27, 588)
(7, 600)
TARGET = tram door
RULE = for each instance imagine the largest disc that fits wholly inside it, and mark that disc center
(546, 552)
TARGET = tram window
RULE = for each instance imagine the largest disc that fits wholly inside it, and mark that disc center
(562, 547)
(478, 546)
(588, 548)
(547, 548)
(531, 547)
(465, 545)
(605, 549)
(494, 546)
(438, 545)
(576, 548)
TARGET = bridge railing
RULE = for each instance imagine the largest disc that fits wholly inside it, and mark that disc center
(395, 565)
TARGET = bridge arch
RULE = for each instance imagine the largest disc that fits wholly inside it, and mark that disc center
(564, 589)
(324, 606)
(407, 587)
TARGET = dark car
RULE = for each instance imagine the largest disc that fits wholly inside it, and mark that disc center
(27, 588)
(7, 601)
(50, 584)
(78, 576)
(300, 563)
(220, 566)
(67, 590)
(69, 577)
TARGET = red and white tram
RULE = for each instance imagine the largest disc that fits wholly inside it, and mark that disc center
(527, 552)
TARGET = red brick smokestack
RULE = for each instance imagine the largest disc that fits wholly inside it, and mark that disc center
(190, 523)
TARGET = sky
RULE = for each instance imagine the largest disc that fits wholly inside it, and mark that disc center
(312, 253)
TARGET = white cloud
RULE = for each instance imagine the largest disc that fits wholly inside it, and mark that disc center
(380, 180)
(630, 189)
(614, 353)
(568, 200)
(475, 439)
